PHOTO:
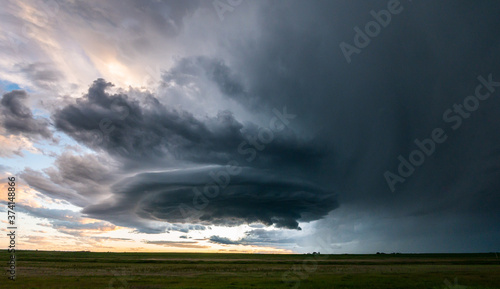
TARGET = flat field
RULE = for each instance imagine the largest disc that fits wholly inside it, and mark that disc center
(195, 270)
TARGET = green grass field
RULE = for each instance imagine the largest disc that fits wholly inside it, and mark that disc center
(193, 270)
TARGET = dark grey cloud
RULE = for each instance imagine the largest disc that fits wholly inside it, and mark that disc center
(51, 214)
(356, 229)
(148, 130)
(80, 229)
(370, 111)
(133, 130)
(86, 174)
(263, 236)
(223, 240)
(79, 179)
(66, 221)
(39, 182)
(187, 69)
(18, 119)
(43, 75)
(259, 237)
(105, 239)
(248, 197)
(177, 244)
(396, 90)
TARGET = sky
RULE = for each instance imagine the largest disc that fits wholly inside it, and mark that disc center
(252, 126)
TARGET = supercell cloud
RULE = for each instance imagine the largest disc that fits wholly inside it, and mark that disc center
(170, 116)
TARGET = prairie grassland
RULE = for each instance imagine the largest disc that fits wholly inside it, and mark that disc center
(196, 270)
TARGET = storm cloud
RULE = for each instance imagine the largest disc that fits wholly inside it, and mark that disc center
(148, 130)
(247, 197)
(17, 118)
(256, 237)
(196, 146)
